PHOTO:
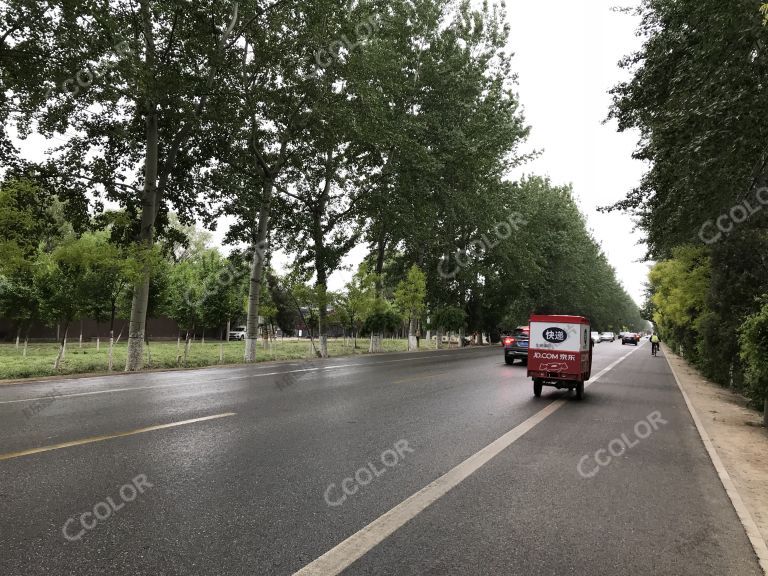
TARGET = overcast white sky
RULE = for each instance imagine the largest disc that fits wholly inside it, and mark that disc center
(566, 55)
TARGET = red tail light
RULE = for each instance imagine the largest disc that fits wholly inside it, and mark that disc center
(508, 341)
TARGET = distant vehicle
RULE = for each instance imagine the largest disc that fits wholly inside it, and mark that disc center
(596, 337)
(630, 338)
(607, 337)
(516, 345)
(238, 334)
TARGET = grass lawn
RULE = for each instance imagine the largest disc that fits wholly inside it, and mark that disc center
(77, 360)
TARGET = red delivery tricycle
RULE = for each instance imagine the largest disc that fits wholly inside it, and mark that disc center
(559, 352)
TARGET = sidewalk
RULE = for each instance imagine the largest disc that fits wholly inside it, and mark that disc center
(737, 434)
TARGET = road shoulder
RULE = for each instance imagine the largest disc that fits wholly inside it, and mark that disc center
(736, 435)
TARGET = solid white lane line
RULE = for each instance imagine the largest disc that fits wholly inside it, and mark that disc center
(212, 381)
(750, 527)
(356, 546)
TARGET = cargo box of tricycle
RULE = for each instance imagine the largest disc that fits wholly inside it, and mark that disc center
(560, 352)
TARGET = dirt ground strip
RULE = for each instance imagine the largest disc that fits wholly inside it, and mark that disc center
(737, 434)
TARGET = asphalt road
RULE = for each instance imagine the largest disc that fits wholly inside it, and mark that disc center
(449, 463)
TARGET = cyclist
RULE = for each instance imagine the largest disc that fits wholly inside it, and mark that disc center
(654, 343)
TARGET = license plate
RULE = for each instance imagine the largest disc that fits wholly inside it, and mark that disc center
(523, 344)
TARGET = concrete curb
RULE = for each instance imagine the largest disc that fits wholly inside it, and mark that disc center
(750, 527)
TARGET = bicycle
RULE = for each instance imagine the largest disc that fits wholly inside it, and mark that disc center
(654, 348)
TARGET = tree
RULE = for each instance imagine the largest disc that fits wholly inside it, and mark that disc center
(183, 302)
(132, 81)
(410, 298)
(20, 302)
(353, 305)
(754, 350)
(62, 281)
(450, 318)
(697, 96)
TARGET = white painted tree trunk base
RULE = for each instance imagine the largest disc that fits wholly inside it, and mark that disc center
(250, 349)
(413, 343)
(375, 346)
(324, 346)
(134, 360)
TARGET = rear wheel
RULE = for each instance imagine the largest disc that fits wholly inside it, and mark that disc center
(524, 361)
(509, 360)
(580, 391)
(537, 386)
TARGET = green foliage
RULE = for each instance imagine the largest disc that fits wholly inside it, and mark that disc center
(697, 95)
(450, 318)
(411, 292)
(64, 279)
(679, 290)
(753, 337)
(383, 319)
(285, 314)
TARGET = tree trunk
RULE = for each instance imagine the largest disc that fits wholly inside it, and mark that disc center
(228, 328)
(221, 353)
(135, 356)
(18, 335)
(375, 346)
(412, 343)
(322, 316)
(80, 345)
(111, 347)
(26, 341)
(439, 339)
(202, 340)
(178, 349)
(62, 348)
(257, 268)
(186, 348)
(381, 250)
(765, 413)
